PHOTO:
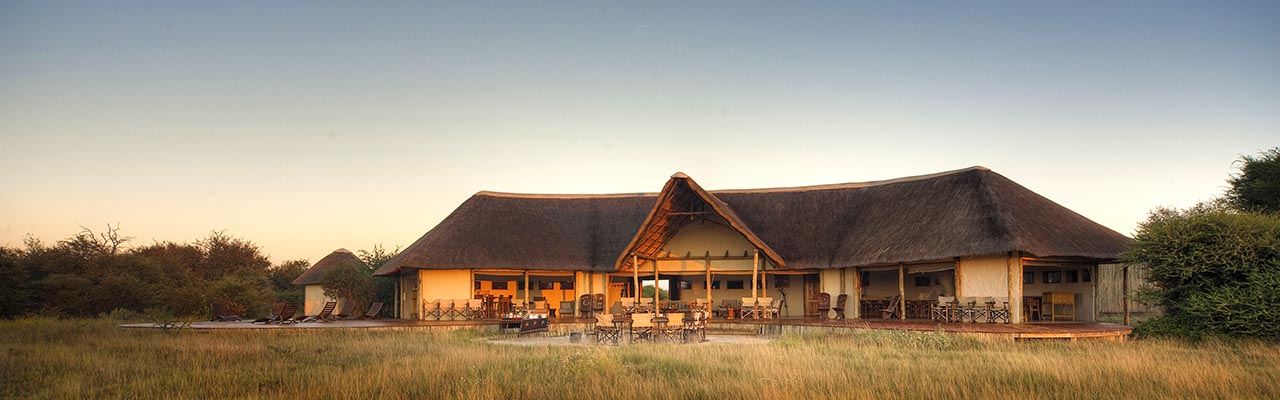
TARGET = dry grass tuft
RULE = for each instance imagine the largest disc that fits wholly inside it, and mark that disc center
(45, 358)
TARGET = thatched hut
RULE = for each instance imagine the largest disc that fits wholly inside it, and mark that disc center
(313, 279)
(969, 232)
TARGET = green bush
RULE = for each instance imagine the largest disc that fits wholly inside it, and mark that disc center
(1215, 271)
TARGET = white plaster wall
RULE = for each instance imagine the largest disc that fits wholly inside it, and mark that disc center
(984, 276)
(315, 299)
(444, 284)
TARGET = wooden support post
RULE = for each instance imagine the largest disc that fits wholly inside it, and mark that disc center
(526, 290)
(857, 294)
(902, 292)
(1093, 280)
(755, 272)
(1124, 289)
(635, 278)
(958, 280)
(655, 287)
(707, 261)
(1014, 264)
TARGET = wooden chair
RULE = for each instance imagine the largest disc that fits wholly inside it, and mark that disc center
(277, 314)
(475, 308)
(374, 309)
(982, 308)
(518, 306)
(824, 305)
(696, 326)
(966, 309)
(767, 308)
(606, 330)
(941, 310)
(597, 303)
(646, 305)
(893, 310)
(325, 314)
(628, 305)
(999, 310)
(641, 326)
(749, 309)
(841, 300)
(219, 312)
(674, 331)
(585, 305)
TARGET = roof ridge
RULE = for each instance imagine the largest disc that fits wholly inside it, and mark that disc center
(854, 185)
(562, 196)
(679, 175)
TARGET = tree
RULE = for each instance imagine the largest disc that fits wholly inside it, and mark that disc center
(282, 277)
(1215, 271)
(1257, 186)
(384, 288)
(350, 283)
(646, 292)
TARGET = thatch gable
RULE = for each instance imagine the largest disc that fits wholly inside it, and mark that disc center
(315, 274)
(967, 212)
(683, 201)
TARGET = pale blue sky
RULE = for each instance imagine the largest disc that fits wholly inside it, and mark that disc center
(311, 126)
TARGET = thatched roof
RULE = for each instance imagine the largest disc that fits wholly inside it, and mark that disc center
(972, 211)
(315, 274)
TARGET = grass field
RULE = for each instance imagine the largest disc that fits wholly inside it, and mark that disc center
(47, 358)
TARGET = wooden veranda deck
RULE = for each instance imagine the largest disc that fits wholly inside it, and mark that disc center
(1056, 330)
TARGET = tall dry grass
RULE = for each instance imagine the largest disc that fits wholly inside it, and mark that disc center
(45, 358)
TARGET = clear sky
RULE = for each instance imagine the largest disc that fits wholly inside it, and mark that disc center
(310, 126)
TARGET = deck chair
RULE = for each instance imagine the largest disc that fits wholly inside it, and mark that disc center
(348, 310)
(325, 314)
(518, 306)
(894, 309)
(674, 331)
(966, 311)
(749, 309)
(475, 308)
(841, 300)
(606, 331)
(276, 309)
(585, 305)
(696, 326)
(982, 309)
(628, 305)
(374, 309)
(641, 326)
(219, 312)
(767, 308)
(432, 309)
(824, 305)
(941, 309)
(999, 311)
(646, 305)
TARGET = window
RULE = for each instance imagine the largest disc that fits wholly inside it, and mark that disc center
(715, 285)
(865, 277)
(546, 285)
(922, 281)
(1086, 275)
(686, 285)
(734, 284)
(477, 285)
(1073, 276)
(566, 285)
(1028, 278)
(1053, 277)
(499, 285)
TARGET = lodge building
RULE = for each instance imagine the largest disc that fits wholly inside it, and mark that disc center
(969, 232)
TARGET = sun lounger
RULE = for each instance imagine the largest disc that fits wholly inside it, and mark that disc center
(325, 314)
